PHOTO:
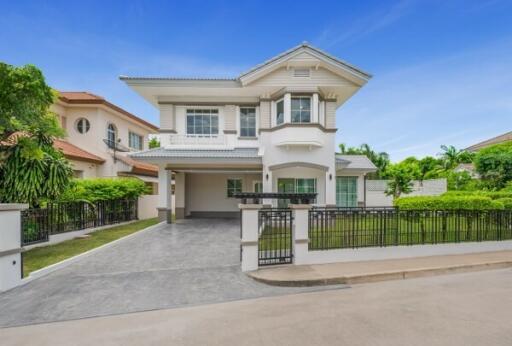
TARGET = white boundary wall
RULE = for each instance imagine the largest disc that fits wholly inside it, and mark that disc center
(147, 207)
(376, 196)
(10, 245)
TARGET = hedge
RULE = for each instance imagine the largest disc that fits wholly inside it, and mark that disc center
(507, 202)
(448, 203)
(490, 194)
(100, 189)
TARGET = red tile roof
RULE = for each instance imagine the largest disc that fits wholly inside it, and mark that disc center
(82, 97)
(139, 167)
(73, 152)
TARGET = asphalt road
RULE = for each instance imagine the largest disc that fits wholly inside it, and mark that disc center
(460, 309)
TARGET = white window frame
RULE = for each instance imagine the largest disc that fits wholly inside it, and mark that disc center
(240, 121)
(78, 121)
(114, 131)
(275, 114)
(257, 182)
(192, 111)
(300, 110)
(140, 139)
(234, 190)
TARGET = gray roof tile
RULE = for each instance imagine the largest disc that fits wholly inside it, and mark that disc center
(354, 162)
(242, 153)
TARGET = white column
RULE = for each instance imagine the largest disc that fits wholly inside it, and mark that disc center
(10, 245)
(330, 187)
(300, 237)
(179, 195)
(249, 239)
(267, 184)
(287, 108)
(164, 194)
(314, 109)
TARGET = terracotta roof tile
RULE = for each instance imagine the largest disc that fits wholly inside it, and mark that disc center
(75, 153)
(139, 167)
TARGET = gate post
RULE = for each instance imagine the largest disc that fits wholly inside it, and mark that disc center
(300, 232)
(10, 245)
(249, 224)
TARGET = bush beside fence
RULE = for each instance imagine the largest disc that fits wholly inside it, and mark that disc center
(38, 224)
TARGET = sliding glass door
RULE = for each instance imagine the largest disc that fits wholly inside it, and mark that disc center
(346, 191)
(294, 185)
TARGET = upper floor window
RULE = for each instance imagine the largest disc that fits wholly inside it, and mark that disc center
(234, 186)
(82, 125)
(135, 141)
(111, 133)
(203, 122)
(280, 112)
(301, 109)
(248, 122)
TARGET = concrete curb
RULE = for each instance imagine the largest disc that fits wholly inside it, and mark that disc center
(62, 264)
(382, 276)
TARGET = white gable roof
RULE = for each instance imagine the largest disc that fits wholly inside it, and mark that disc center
(306, 55)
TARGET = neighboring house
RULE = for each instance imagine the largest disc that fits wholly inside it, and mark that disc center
(93, 125)
(271, 129)
(506, 137)
(469, 167)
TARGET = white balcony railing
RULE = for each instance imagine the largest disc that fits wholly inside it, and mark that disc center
(178, 139)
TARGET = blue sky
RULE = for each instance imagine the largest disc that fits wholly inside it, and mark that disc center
(442, 69)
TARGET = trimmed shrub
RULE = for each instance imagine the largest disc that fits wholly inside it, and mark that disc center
(490, 194)
(100, 189)
(507, 202)
(448, 203)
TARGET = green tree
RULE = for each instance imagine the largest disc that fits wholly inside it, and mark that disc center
(451, 156)
(379, 159)
(30, 168)
(154, 143)
(494, 164)
(400, 179)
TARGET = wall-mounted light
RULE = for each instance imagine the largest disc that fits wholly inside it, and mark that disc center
(330, 176)
(266, 177)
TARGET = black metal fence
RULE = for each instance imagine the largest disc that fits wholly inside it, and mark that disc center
(275, 236)
(38, 224)
(337, 228)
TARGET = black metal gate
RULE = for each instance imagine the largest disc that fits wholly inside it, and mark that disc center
(275, 236)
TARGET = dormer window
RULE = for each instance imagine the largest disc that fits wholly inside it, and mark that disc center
(280, 112)
(301, 109)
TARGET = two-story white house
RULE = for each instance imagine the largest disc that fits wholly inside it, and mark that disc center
(92, 125)
(271, 129)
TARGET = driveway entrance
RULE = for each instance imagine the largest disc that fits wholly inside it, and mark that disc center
(194, 262)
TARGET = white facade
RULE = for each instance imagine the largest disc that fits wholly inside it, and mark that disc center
(272, 129)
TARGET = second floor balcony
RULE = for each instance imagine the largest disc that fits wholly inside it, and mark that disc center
(195, 140)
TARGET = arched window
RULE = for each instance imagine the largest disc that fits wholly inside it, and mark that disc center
(111, 134)
(82, 125)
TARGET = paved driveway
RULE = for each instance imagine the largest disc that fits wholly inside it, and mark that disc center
(191, 263)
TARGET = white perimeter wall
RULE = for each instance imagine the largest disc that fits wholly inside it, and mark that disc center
(147, 207)
(208, 191)
(376, 197)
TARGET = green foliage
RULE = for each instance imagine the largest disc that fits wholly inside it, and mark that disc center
(400, 179)
(379, 159)
(507, 202)
(28, 179)
(25, 101)
(451, 156)
(459, 180)
(154, 143)
(494, 164)
(490, 194)
(98, 189)
(461, 202)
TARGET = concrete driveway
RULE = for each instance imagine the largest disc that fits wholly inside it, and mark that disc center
(191, 263)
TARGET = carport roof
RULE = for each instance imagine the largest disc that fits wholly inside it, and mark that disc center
(355, 162)
(163, 153)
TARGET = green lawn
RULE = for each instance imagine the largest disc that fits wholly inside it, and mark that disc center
(353, 232)
(41, 257)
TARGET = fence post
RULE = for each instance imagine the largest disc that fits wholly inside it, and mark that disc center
(249, 224)
(10, 245)
(300, 232)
